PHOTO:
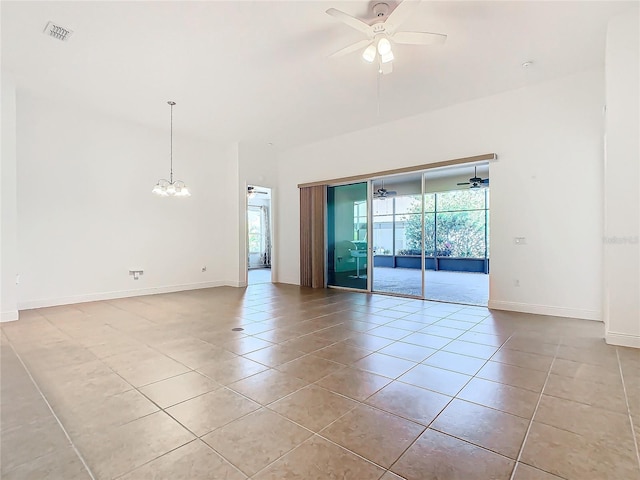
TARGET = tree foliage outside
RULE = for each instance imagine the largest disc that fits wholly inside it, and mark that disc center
(456, 229)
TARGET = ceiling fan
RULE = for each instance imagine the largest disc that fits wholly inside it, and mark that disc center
(476, 181)
(383, 32)
(251, 191)
(383, 193)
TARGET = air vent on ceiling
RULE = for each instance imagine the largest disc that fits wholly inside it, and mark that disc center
(56, 31)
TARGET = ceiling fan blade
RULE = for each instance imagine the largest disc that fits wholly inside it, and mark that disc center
(350, 48)
(463, 183)
(485, 180)
(353, 22)
(391, 192)
(419, 38)
(386, 68)
(399, 15)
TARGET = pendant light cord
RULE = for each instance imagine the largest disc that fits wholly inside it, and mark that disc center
(171, 152)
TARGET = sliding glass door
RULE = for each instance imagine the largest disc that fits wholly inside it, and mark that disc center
(398, 235)
(347, 250)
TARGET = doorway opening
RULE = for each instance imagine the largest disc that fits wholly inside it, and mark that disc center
(259, 235)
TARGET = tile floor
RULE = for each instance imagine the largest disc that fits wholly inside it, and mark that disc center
(319, 385)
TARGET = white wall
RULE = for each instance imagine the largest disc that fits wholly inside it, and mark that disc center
(622, 177)
(86, 214)
(8, 203)
(546, 185)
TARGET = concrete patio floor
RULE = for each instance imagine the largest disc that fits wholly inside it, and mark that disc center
(456, 287)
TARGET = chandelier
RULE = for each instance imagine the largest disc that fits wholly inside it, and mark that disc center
(171, 188)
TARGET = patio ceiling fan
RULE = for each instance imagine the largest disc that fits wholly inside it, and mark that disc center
(383, 193)
(383, 33)
(476, 181)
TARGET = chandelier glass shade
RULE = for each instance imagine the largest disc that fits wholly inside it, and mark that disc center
(171, 187)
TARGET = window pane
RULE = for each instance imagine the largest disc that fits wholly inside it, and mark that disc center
(429, 202)
(429, 231)
(408, 239)
(455, 200)
(460, 234)
(408, 204)
(382, 206)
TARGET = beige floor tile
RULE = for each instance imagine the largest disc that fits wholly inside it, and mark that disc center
(313, 407)
(426, 340)
(391, 476)
(528, 360)
(384, 365)
(531, 345)
(584, 371)
(492, 429)
(376, 435)
(318, 459)
(211, 410)
(96, 414)
(436, 379)
(511, 375)
(342, 352)
(232, 370)
(308, 343)
(455, 362)
(513, 400)
(26, 443)
(268, 386)
(484, 338)
(408, 351)
(369, 342)
(193, 461)
(113, 452)
(411, 402)
(391, 333)
(441, 331)
(406, 325)
(310, 368)
(471, 349)
(437, 456)
(151, 371)
(274, 355)
(179, 388)
(161, 338)
(607, 428)
(61, 464)
(595, 394)
(353, 383)
(242, 346)
(571, 456)
(525, 472)
(256, 440)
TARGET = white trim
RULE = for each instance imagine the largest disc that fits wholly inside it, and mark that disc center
(622, 339)
(9, 316)
(93, 297)
(545, 310)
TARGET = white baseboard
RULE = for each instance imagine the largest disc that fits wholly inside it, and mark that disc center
(545, 310)
(9, 316)
(94, 297)
(622, 339)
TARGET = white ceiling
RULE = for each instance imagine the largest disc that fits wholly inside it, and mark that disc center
(258, 70)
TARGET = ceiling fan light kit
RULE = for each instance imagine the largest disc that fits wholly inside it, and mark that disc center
(476, 181)
(383, 33)
(171, 188)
